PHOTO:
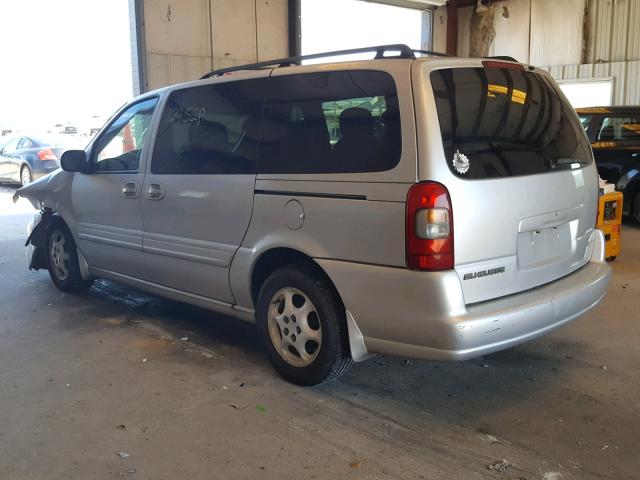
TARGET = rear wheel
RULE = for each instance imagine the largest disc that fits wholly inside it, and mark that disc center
(25, 175)
(64, 268)
(302, 325)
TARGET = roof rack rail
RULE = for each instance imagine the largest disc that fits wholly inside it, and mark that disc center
(503, 57)
(403, 52)
(431, 52)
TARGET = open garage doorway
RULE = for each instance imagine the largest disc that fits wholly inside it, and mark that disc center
(66, 67)
(330, 25)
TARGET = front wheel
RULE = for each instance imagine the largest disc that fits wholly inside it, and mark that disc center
(302, 325)
(62, 254)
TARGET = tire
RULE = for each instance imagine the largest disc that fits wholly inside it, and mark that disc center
(611, 258)
(299, 290)
(62, 259)
(26, 177)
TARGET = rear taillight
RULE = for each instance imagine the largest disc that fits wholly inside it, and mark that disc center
(47, 154)
(429, 227)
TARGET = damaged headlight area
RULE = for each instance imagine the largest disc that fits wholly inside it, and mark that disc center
(37, 204)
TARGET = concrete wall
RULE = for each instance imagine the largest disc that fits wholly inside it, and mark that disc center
(187, 38)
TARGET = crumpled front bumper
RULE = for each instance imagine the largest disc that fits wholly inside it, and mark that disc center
(36, 244)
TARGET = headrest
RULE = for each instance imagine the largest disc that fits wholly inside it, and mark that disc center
(208, 136)
(356, 115)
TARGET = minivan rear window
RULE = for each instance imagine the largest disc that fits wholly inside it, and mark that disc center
(503, 122)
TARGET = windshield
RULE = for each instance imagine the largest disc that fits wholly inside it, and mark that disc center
(502, 122)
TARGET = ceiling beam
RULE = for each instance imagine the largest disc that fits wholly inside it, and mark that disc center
(452, 28)
(417, 4)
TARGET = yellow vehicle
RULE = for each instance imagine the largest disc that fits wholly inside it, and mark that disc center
(609, 221)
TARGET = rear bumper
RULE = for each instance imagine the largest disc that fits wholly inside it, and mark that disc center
(423, 315)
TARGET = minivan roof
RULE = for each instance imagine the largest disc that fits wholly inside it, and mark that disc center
(393, 52)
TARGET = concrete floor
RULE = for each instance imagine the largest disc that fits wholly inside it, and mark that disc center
(188, 394)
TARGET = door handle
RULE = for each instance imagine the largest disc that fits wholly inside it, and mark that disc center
(130, 190)
(155, 191)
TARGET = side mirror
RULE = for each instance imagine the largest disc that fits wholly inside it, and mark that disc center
(74, 161)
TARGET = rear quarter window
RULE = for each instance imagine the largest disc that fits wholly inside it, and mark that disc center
(330, 122)
(502, 122)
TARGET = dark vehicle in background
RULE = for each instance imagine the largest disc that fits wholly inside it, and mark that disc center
(24, 159)
(614, 133)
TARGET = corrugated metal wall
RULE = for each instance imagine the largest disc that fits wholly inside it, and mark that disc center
(613, 31)
(625, 75)
(556, 32)
(612, 49)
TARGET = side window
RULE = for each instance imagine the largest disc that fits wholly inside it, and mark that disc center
(119, 148)
(10, 147)
(333, 122)
(334, 109)
(24, 143)
(620, 129)
(211, 129)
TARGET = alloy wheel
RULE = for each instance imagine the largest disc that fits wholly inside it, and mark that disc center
(59, 255)
(294, 327)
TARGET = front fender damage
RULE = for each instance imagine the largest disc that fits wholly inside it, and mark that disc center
(48, 194)
(46, 191)
(38, 239)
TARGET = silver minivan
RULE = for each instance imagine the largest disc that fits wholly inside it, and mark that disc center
(418, 205)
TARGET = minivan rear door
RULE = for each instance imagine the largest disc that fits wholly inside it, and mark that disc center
(511, 151)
